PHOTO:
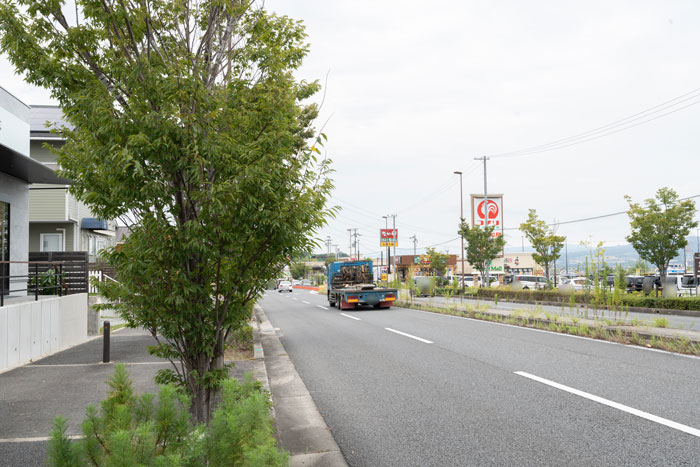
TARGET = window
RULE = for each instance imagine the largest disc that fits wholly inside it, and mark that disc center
(5, 245)
(91, 245)
(52, 242)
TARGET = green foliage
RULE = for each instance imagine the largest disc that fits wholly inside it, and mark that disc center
(482, 247)
(330, 259)
(298, 270)
(200, 142)
(546, 244)
(157, 431)
(660, 228)
(438, 261)
(48, 281)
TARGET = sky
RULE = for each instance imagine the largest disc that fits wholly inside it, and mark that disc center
(414, 91)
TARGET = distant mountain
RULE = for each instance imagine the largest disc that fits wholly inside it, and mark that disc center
(625, 255)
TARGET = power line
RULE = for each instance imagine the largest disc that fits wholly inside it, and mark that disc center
(606, 129)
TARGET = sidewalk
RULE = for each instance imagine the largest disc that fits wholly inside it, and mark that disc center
(31, 396)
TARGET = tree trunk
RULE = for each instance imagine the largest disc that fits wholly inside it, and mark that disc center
(200, 404)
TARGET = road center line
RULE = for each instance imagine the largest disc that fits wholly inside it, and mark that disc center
(304, 301)
(615, 405)
(295, 299)
(323, 307)
(351, 317)
(409, 335)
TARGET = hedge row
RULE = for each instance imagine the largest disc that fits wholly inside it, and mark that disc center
(672, 303)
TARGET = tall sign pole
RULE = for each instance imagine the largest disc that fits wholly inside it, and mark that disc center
(461, 217)
(486, 210)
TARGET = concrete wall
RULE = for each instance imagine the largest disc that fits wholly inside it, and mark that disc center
(31, 330)
(16, 193)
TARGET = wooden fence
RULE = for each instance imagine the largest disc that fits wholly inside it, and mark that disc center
(74, 264)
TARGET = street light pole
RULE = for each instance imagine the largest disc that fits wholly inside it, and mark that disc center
(461, 219)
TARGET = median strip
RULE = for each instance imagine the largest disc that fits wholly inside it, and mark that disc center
(409, 335)
(351, 317)
(615, 405)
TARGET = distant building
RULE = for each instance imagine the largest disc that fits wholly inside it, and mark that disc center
(17, 172)
(57, 220)
(510, 264)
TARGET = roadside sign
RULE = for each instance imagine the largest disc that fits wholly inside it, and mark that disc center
(696, 264)
(384, 277)
(388, 237)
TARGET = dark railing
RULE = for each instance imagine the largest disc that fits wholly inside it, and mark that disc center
(35, 279)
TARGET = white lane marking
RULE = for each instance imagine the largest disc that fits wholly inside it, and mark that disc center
(314, 292)
(294, 298)
(323, 307)
(409, 335)
(304, 301)
(615, 405)
(34, 440)
(351, 317)
(525, 328)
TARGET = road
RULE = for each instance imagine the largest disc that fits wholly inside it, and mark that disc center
(408, 388)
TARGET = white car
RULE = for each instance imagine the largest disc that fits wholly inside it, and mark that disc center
(578, 283)
(284, 286)
(530, 282)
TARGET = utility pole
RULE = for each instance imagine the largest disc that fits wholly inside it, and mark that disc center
(566, 253)
(461, 218)
(393, 217)
(415, 242)
(350, 247)
(388, 248)
(486, 211)
(357, 244)
(329, 243)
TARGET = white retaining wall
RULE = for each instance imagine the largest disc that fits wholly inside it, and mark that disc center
(31, 330)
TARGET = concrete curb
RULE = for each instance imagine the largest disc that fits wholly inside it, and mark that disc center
(301, 429)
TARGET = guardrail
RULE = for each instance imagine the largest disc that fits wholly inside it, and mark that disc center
(36, 273)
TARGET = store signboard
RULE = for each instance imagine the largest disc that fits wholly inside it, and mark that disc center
(492, 216)
(388, 237)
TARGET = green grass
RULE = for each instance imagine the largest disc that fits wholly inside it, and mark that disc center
(113, 328)
(600, 330)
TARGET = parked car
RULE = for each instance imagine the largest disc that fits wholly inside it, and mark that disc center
(530, 282)
(284, 286)
(578, 283)
(306, 282)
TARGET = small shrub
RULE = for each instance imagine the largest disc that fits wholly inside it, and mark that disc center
(145, 430)
(660, 322)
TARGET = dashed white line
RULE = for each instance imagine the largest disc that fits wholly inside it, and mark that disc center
(410, 335)
(615, 405)
(351, 317)
(304, 301)
(293, 298)
(322, 307)
(313, 292)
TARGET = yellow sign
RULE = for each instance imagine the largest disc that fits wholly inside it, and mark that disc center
(384, 277)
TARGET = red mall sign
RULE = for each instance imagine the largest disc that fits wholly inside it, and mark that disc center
(493, 216)
(388, 237)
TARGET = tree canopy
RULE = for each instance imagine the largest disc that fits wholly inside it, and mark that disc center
(482, 247)
(660, 227)
(438, 261)
(546, 244)
(191, 128)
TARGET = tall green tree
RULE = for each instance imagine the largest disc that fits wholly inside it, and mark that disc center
(546, 244)
(660, 227)
(482, 247)
(191, 128)
(298, 270)
(438, 261)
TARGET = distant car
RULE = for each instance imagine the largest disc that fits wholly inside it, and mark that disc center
(284, 286)
(306, 282)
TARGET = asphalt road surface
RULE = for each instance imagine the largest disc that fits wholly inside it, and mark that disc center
(408, 388)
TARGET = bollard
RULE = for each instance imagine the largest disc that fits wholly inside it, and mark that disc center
(105, 343)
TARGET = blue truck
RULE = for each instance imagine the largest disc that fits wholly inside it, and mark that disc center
(350, 284)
